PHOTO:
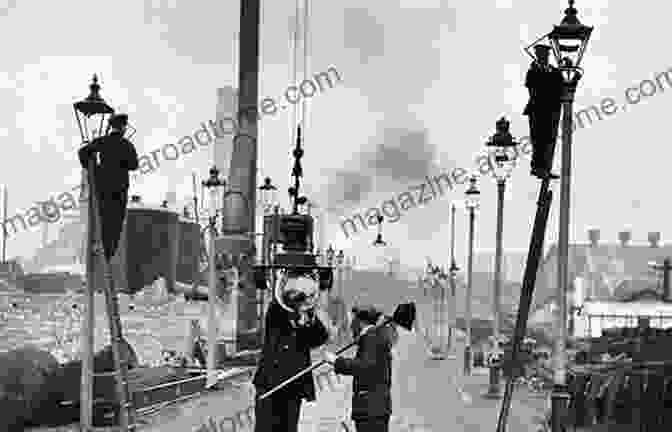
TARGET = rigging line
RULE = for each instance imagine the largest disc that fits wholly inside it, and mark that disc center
(234, 54)
(306, 68)
(295, 66)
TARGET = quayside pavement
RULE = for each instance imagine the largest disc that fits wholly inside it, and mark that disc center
(428, 395)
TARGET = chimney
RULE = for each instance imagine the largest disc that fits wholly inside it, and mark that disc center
(624, 237)
(594, 236)
(654, 239)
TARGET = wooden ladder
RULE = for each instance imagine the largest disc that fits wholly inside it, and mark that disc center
(126, 409)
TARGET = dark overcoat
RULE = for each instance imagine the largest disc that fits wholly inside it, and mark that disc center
(286, 351)
(371, 369)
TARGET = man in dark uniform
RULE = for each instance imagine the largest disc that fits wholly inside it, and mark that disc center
(117, 156)
(545, 85)
(371, 369)
(289, 337)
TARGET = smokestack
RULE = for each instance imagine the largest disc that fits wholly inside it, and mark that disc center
(594, 237)
(624, 237)
(654, 239)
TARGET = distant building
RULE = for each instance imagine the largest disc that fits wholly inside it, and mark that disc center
(513, 263)
(610, 285)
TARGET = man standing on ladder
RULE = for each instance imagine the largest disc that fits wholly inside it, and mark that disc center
(111, 157)
(544, 83)
(116, 157)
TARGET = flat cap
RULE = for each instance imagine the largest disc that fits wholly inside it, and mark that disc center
(367, 313)
(118, 120)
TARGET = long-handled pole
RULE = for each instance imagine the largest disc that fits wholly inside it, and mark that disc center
(470, 272)
(560, 396)
(403, 316)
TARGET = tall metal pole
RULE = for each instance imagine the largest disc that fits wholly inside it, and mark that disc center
(453, 276)
(89, 322)
(470, 272)
(560, 395)
(4, 224)
(212, 290)
(494, 387)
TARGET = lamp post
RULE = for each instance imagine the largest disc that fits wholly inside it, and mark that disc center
(90, 115)
(340, 258)
(568, 41)
(378, 242)
(213, 183)
(503, 162)
(341, 317)
(268, 201)
(453, 276)
(443, 335)
(471, 202)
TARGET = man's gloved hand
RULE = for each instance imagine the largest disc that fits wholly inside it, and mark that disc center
(330, 357)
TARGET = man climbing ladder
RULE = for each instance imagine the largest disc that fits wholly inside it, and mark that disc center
(108, 159)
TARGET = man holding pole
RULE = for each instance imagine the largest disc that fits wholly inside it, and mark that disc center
(292, 329)
(371, 369)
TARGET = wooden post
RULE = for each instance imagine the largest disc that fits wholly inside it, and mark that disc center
(88, 326)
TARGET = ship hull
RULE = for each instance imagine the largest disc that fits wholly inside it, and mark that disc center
(155, 244)
(49, 283)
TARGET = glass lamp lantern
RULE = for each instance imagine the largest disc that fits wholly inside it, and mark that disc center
(340, 258)
(268, 196)
(472, 195)
(330, 255)
(569, 41)
(501, 148)
(91, 113)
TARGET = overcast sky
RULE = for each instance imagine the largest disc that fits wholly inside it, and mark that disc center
(448, 68)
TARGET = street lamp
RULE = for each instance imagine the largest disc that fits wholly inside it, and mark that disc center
(90, 114)
(378, 242)
(330, 255)
(453, 275)
(340, 259)
(268, 201)
(568, 41)
(268, 196)
(499, 146)
(471, 202)
(213, 183)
